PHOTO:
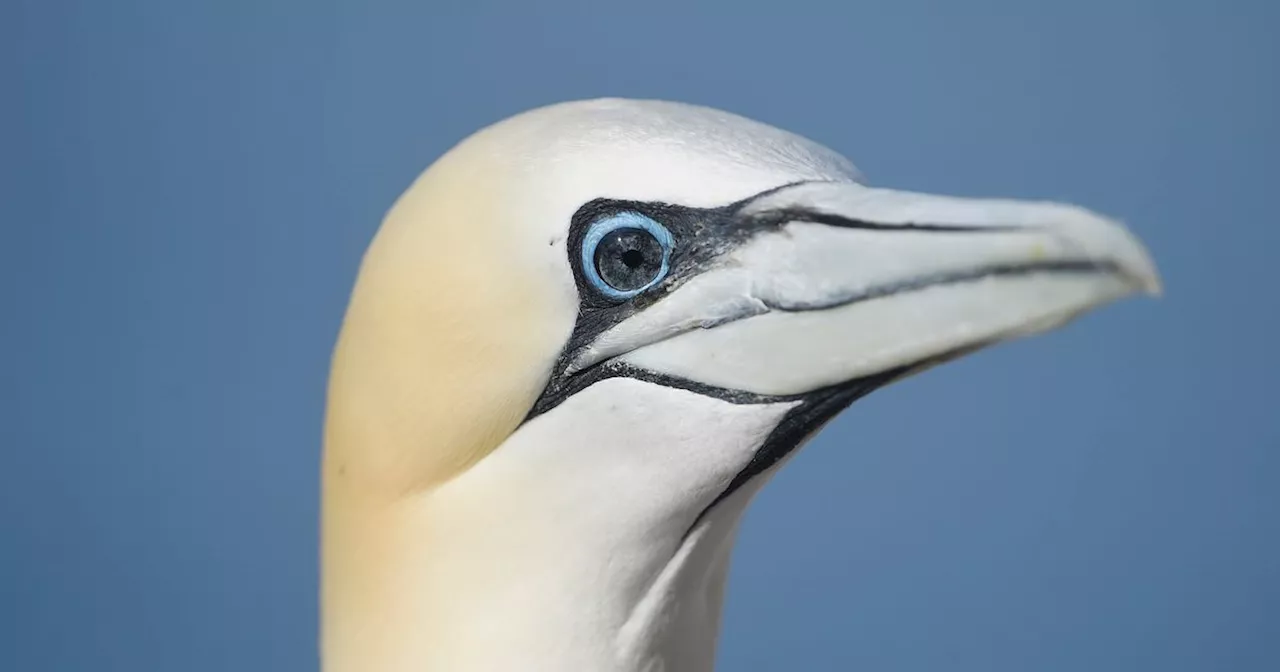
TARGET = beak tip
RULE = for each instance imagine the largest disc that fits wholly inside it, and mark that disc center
(1140, 271)
(1141, 268)
(1111, 239)
(1153, 287)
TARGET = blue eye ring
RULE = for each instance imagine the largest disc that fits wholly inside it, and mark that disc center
(624, 220)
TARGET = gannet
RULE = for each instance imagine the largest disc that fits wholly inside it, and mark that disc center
(584, 338)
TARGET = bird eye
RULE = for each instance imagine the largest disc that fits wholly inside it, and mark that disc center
(625, 254)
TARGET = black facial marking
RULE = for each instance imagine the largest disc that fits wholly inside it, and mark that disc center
(629, 258)
(784, 215)
(699, 236)
(617, 369)
(814, 410)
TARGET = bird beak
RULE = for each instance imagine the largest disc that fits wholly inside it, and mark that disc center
(832, 282)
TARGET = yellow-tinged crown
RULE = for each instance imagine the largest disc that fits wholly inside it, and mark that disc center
(452, 328)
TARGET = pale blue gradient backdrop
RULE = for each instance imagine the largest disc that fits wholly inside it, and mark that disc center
(188, 187)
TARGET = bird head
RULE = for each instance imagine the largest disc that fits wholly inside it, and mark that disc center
(586, 334)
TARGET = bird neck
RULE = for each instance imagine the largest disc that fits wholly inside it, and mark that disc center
(420, 585)
(578, 544)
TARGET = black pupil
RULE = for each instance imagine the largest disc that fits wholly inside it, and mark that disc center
(628, 258)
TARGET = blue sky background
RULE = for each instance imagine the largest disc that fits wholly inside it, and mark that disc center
(187, 188)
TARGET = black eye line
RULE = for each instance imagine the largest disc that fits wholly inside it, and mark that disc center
(699, 235)
(600, 209)
(688, 227)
